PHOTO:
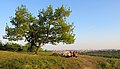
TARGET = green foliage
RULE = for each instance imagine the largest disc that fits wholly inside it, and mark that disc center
(104, 65)
(115, 63)
(103, 53)
(45, 50)
(10, 46)
(25, 48)
(16, 47)
(13, 46)
(50, 26)
(1, 44)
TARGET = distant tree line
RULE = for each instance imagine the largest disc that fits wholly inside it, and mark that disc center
(103, 53)
(15, 47)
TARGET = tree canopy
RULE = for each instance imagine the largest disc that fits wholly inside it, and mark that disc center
(49, 26)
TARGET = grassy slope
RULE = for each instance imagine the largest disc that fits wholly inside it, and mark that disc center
(14, 60)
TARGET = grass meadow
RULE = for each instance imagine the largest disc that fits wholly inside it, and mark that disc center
(45, 60)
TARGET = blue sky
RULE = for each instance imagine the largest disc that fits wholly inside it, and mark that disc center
(97, 22)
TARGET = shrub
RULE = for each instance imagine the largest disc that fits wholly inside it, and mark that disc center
(45, 50)
(10, 46)
(104, 65)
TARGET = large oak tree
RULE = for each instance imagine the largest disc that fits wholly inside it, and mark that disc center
(50, 26)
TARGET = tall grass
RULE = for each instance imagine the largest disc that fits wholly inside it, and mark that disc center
(47, 60)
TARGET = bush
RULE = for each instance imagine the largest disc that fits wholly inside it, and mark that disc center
(1, 46)
(45, 50)
(10, 46)
(104, 65)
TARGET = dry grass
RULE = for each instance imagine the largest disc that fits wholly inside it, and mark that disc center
(43, 60)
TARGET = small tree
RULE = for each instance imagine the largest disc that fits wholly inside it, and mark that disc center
(50, 26)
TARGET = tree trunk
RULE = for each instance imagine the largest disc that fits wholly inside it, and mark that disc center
(30, 49)
(31, 46)
(37, 50)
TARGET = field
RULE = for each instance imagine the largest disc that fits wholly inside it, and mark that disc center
(45, 60)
